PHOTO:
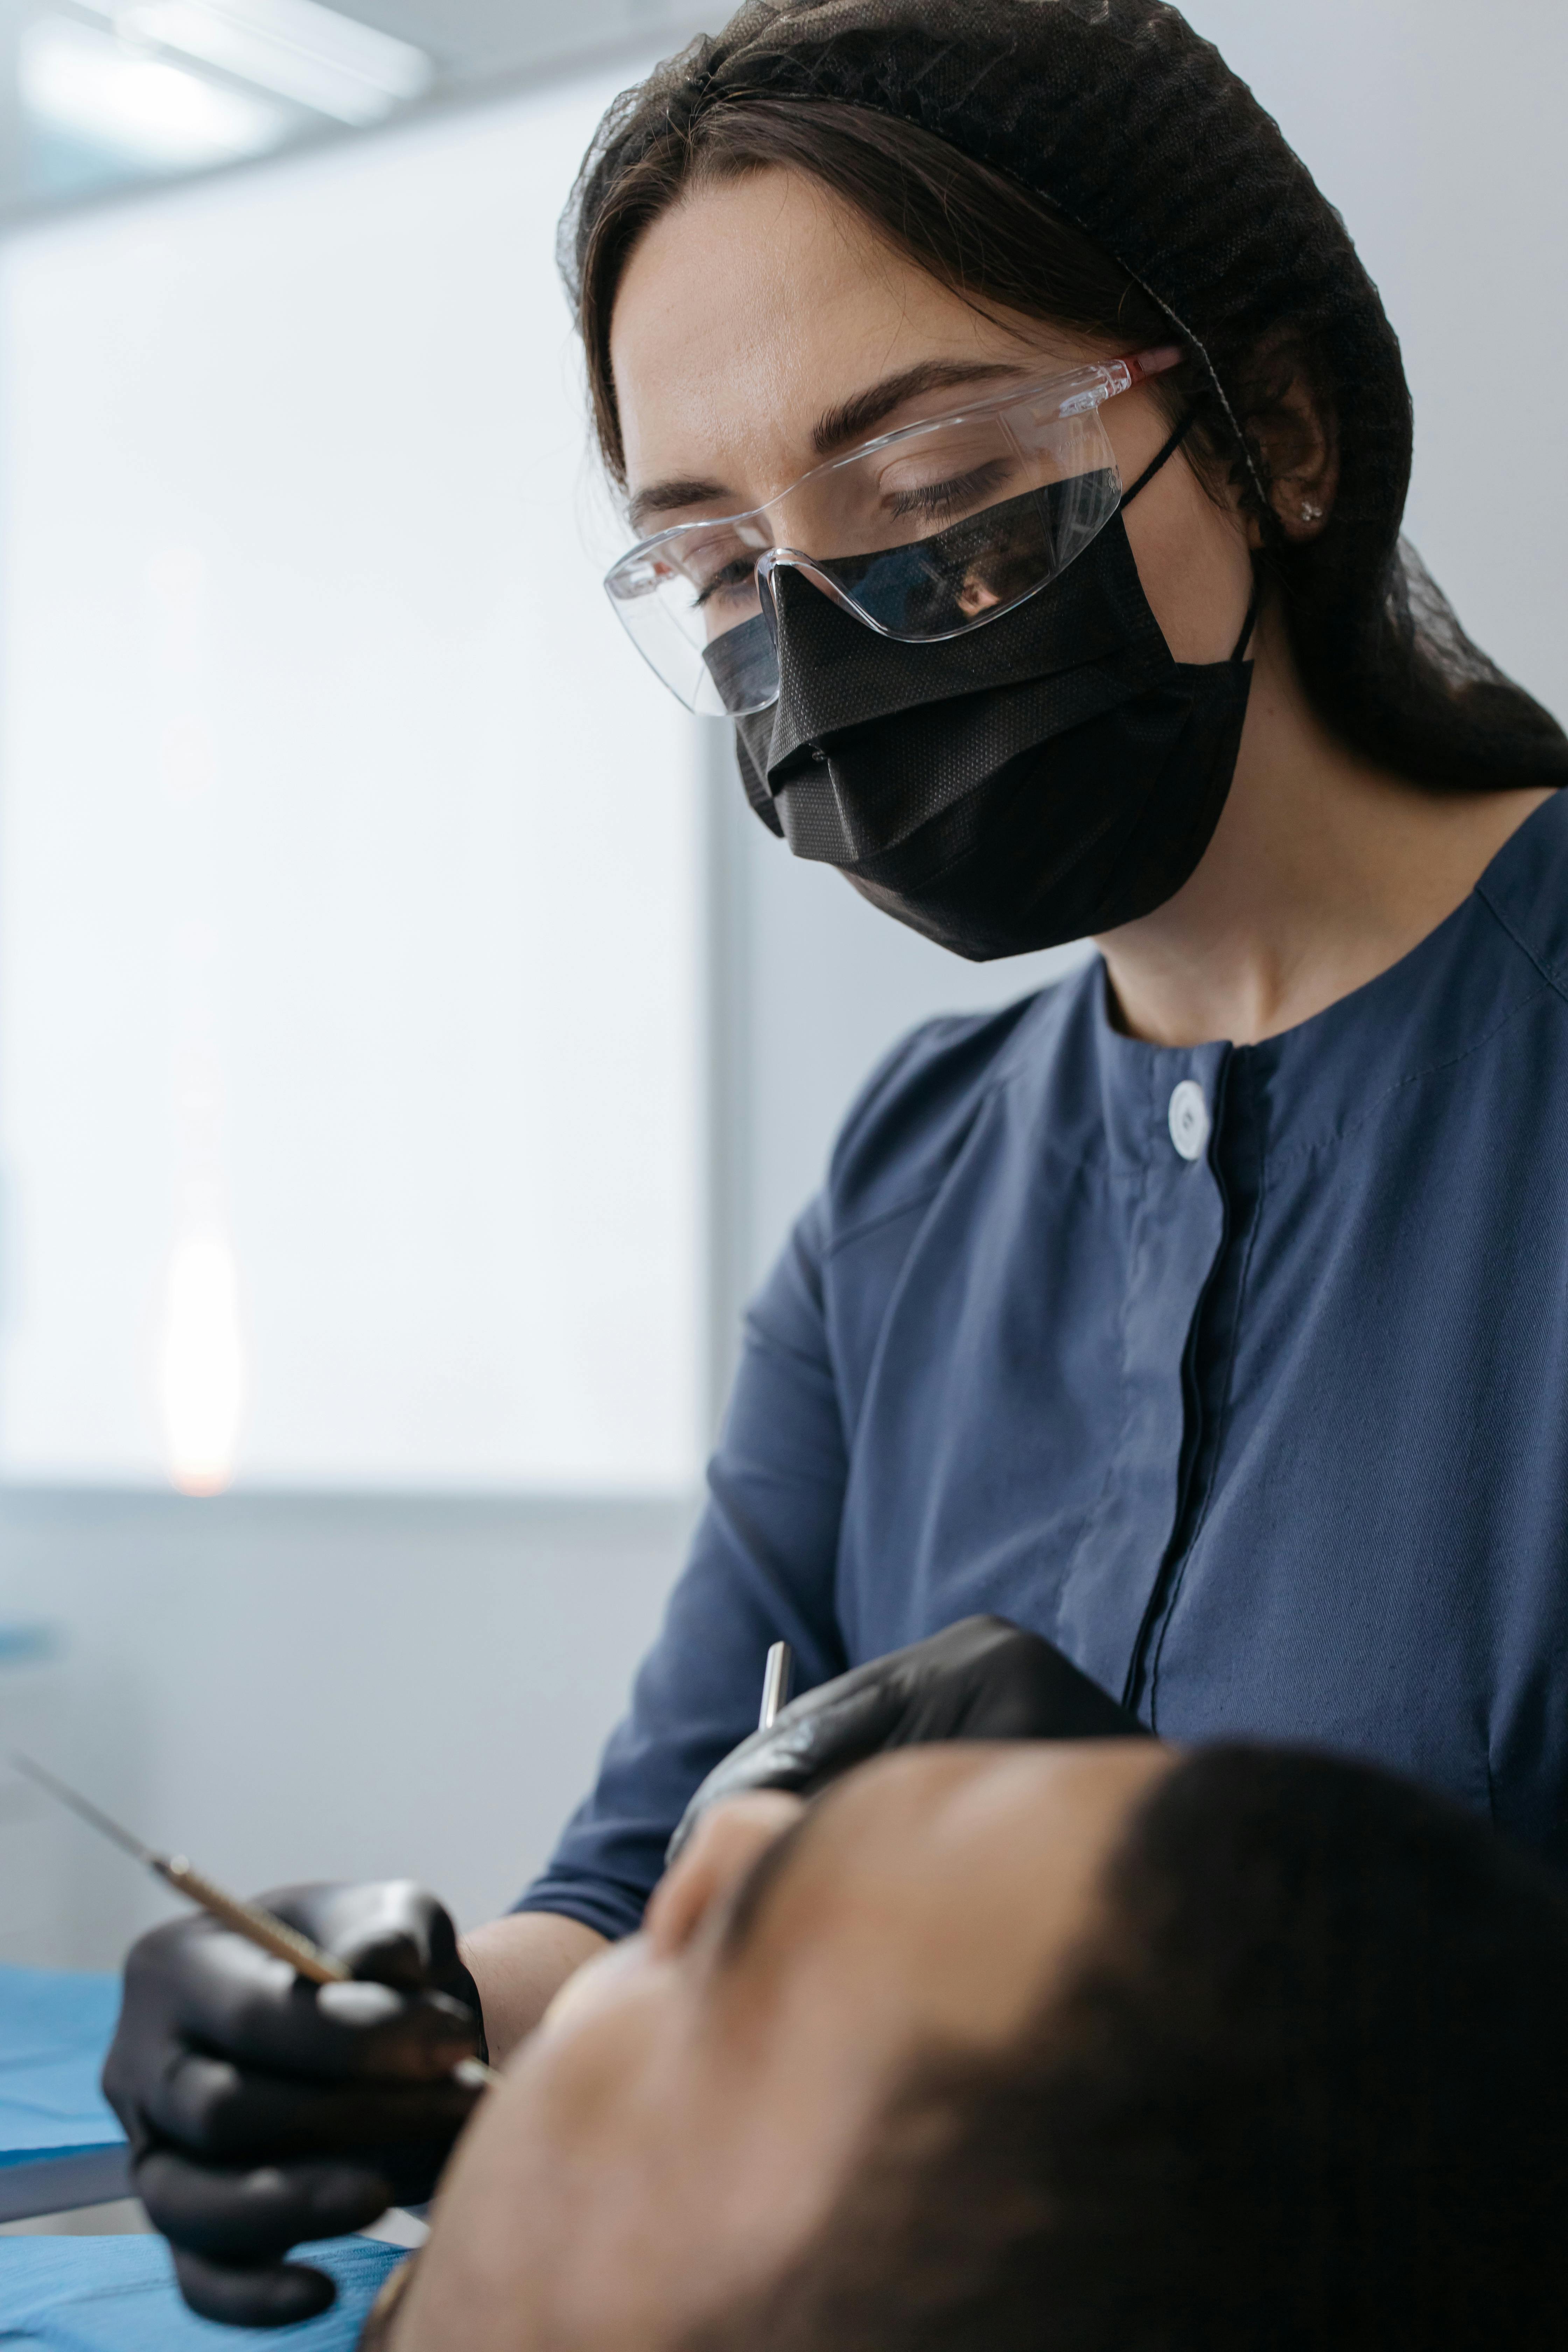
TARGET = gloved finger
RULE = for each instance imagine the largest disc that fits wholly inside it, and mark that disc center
(982, 1678)
(277, 2295)
(810, 1743)
(251, 2215)
(214, 2109)
(417, 2036)
(390, 1931)
(986, 1679)
(214, 1986)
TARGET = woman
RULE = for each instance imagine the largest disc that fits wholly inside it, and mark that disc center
(1202, 1314)
(1016, 451)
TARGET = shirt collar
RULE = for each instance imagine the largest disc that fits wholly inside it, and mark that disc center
(1504, 944)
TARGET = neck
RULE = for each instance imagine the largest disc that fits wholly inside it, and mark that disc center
(1323, 871)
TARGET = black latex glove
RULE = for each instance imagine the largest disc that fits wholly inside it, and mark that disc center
(263, 2110)
(980, 1679)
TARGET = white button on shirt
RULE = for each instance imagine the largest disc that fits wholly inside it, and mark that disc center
(1189, 1118)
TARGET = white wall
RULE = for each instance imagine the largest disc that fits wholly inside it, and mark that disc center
(351, 934)
(311, 1688)
(1436, 127)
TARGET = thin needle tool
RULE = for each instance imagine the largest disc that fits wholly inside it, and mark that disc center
(777, 1676)
(250, 1919)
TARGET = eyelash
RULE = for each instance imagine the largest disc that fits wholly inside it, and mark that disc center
(933, 499)
(731, 575)
(939, 498)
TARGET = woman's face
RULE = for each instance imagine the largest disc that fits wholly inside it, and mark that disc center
(755, 312)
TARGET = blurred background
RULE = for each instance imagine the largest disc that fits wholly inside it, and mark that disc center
(411, 1050)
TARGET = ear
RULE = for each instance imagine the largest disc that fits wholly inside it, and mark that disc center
(1293, 425)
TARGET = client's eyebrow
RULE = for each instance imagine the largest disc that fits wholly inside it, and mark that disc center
(742, 1919)
(853, 420)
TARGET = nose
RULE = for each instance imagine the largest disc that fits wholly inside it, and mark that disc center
(777, 559)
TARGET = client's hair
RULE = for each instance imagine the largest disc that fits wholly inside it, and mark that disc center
(1305, 2087)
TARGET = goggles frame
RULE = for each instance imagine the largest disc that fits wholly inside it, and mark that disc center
(642, 569)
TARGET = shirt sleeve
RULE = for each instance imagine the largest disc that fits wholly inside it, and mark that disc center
(762, 1569)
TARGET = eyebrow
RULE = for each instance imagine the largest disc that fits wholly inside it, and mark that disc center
(742, 1920)
(861, 415)
(855, 419)
(663, 497)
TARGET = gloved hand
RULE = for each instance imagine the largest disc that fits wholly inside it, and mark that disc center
(263, 2110)
(980, 1679)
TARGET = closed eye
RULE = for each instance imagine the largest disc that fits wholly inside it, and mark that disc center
(736, 574)
(940, 501)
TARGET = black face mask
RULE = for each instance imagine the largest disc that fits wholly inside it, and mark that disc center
(1048, 775)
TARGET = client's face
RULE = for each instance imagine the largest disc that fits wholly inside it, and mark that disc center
(680, 2123)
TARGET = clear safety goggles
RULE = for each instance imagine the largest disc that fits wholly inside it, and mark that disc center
(920, 534)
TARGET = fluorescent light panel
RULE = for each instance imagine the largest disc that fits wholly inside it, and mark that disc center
(315, 55)
(88, 84)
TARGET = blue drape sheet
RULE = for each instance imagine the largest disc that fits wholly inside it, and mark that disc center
(55, 2025)
(117, 2294)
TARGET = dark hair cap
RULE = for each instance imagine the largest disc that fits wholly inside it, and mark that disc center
(1116, 112)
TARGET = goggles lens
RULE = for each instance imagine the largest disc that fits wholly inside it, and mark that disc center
(922, 535)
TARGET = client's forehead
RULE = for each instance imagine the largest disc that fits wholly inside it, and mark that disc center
(940, 1882)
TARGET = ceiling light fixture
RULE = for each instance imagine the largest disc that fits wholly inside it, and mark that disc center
(87, 86)
(313, 54)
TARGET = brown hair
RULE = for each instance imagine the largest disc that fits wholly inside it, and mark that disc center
(995, 244)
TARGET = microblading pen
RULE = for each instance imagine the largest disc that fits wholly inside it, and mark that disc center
(249, 1919)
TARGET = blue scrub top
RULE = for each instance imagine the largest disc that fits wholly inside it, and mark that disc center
(1239, 1371)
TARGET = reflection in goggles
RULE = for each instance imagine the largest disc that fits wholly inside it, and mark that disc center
(930, 588)
(932, 585)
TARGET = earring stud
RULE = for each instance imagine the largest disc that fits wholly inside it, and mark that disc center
(1310, 513)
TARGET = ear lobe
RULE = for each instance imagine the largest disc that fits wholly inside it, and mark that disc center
(1304, 498)
(1292, 421)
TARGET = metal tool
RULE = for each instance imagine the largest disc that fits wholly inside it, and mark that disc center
(248, 1919)
(777, 1676)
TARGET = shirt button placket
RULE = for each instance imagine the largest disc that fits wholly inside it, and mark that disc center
(1175, 1237)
